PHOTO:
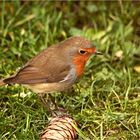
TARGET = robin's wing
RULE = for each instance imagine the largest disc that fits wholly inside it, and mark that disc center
(49, 66)
(32, 75)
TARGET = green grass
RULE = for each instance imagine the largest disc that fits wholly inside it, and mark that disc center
(106, 100)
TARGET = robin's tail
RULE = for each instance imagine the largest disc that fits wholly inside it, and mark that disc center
(2, 83)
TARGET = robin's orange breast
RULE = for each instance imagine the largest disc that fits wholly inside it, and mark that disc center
(79, 62)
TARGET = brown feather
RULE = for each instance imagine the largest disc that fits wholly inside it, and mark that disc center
(43, 68)
(31, 75)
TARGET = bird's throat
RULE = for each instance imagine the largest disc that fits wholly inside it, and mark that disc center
(79, 62)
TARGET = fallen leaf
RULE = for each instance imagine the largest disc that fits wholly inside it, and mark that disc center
(119, 55)
(137, 69)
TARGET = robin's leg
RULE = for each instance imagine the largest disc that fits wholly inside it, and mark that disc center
(46, 103)
(51, 98)
(49, 104)
(58, 111)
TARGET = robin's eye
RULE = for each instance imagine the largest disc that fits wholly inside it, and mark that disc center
(82, 51)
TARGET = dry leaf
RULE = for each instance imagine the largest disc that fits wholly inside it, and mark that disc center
(119, 55)
(137, 69)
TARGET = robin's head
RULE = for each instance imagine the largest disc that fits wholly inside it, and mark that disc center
(79, 46)
(79, 50)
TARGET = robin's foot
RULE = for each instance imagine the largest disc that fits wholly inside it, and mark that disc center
(59, 112)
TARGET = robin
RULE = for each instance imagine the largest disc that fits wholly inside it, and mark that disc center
(56, 68)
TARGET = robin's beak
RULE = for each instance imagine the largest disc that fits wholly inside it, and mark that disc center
(93, 51)
(98, 53)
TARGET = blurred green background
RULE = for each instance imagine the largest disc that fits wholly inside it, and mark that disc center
(106, 101)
